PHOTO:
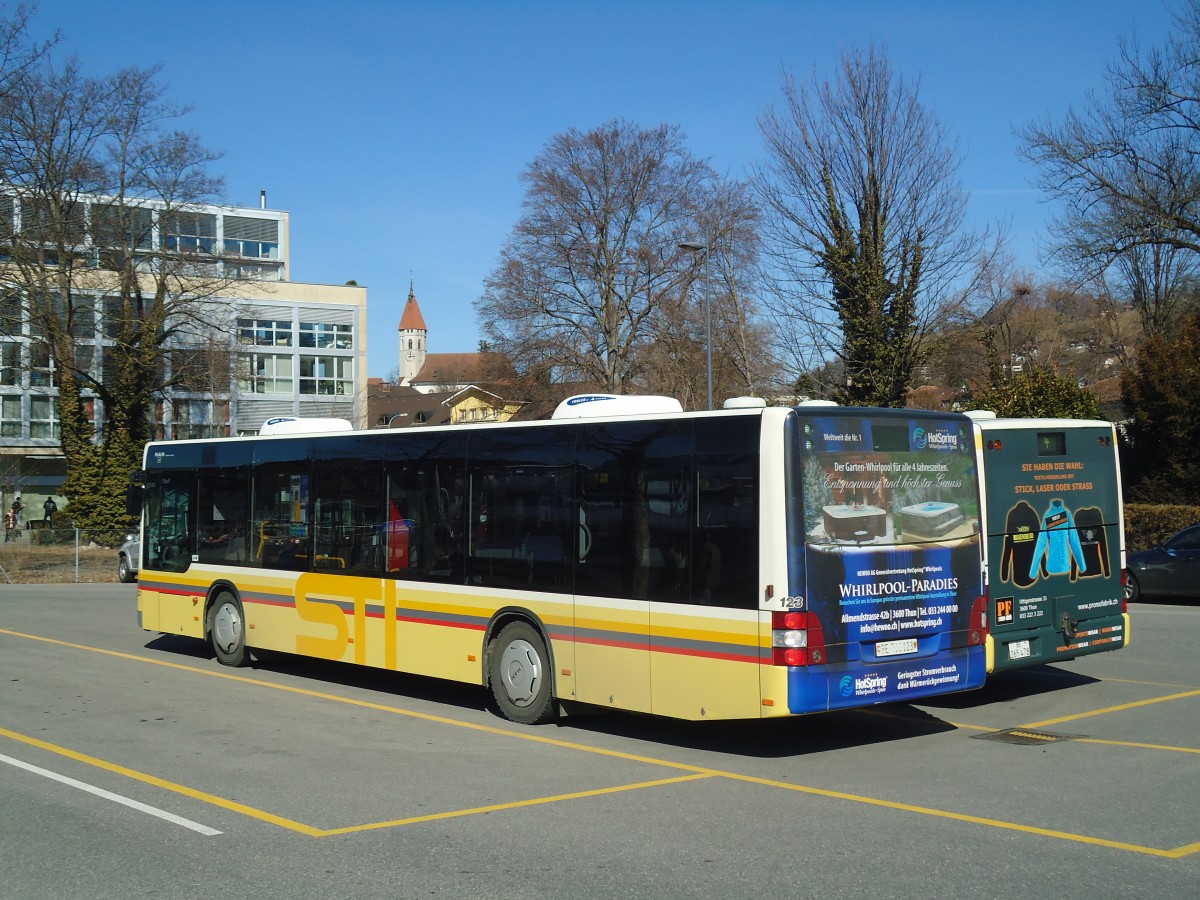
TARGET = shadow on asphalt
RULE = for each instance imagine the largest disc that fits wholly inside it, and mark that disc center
(1006, 686)
(766, 738)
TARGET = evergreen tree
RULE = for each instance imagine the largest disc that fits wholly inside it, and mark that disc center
(1161, 391)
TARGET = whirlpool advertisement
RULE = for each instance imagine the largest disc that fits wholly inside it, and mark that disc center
(890, 561)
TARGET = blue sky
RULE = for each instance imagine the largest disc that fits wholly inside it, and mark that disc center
(395, 133)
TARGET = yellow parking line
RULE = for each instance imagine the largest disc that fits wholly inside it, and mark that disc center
(202, 796)
(517, 804)
(1111, 709)
(966, 817)
(1138, 745)
(698, 771)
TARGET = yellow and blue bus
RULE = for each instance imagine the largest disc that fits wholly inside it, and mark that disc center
(733, 564)
(1054, 555)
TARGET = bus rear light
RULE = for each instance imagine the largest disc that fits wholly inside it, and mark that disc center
(993, 444)
(977, 629)
(797, 639)
(1124, 590)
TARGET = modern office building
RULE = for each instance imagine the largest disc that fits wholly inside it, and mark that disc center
(281, 347)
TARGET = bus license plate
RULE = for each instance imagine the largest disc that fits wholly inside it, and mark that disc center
(896, 648)
(1018, 650)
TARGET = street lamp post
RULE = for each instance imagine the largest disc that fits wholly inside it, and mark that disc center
(697, 247)
(395, 417)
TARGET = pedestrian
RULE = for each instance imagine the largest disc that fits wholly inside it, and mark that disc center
(9, 525)
(17, 506)
(51, 508)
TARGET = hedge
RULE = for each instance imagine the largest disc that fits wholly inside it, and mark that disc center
(1147, 524)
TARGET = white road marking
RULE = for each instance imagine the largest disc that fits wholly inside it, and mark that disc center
(109, 795)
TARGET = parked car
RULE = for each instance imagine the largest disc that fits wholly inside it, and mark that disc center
(127, 558)
(1172, 569)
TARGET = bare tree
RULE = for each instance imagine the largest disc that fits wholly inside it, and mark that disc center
(864, 228)
(718, 303)
(1125, 169)
(592, 277)
(99, 187)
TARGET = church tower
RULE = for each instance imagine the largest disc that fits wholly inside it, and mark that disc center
(413, 335)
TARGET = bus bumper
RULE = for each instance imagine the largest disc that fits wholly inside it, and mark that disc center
(847, 685)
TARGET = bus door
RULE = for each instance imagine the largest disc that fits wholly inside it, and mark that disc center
(632, 487)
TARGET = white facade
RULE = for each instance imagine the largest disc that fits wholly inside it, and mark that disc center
(294, 349)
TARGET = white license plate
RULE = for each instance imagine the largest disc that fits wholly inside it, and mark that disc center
(1018, 650)
(896, 648)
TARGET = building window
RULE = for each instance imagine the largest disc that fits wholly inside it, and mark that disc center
(265, 373)
(10, 416)
(41, 367)
(199, 419)
(10, 363)
(264, 333)
(325, 336)
(121, 227)
(185, 232)
(327, 375)
(251, 238)
(200, 370)
(43, 417)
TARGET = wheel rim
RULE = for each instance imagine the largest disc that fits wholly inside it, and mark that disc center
(227, 628)
(123, 569)
(520, 672)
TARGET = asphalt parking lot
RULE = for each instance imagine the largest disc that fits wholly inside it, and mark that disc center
(134, 765)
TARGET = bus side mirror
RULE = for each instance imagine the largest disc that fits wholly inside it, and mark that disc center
(133, 501)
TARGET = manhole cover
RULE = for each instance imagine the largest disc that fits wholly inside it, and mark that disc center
(1024, 736)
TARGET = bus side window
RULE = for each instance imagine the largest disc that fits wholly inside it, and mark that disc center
(280, 535)
(424, 516)
(347, 517)
(222, 518)
(634, 497)
(725, 540)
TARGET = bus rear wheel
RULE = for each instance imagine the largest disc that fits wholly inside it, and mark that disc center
(520, 675)
(227, 631)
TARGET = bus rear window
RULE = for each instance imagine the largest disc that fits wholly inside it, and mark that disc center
(1052, 443)
(888, 480)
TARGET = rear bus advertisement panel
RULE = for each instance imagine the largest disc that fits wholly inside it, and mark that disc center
(891, 562)
(1054, 540)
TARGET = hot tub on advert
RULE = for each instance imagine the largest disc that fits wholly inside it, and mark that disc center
(932, 519)
(854, 522)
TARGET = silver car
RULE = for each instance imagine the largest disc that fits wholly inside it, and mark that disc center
(127, 558)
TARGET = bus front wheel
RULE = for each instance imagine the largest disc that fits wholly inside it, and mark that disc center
(227, 631)
(520, 675)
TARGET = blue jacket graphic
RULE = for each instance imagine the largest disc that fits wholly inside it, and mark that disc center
(1059, 541)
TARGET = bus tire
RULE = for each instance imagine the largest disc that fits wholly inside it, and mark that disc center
(520, 676)
(227, 631)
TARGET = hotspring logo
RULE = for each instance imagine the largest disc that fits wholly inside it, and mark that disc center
(939, 440)
(865, 686)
